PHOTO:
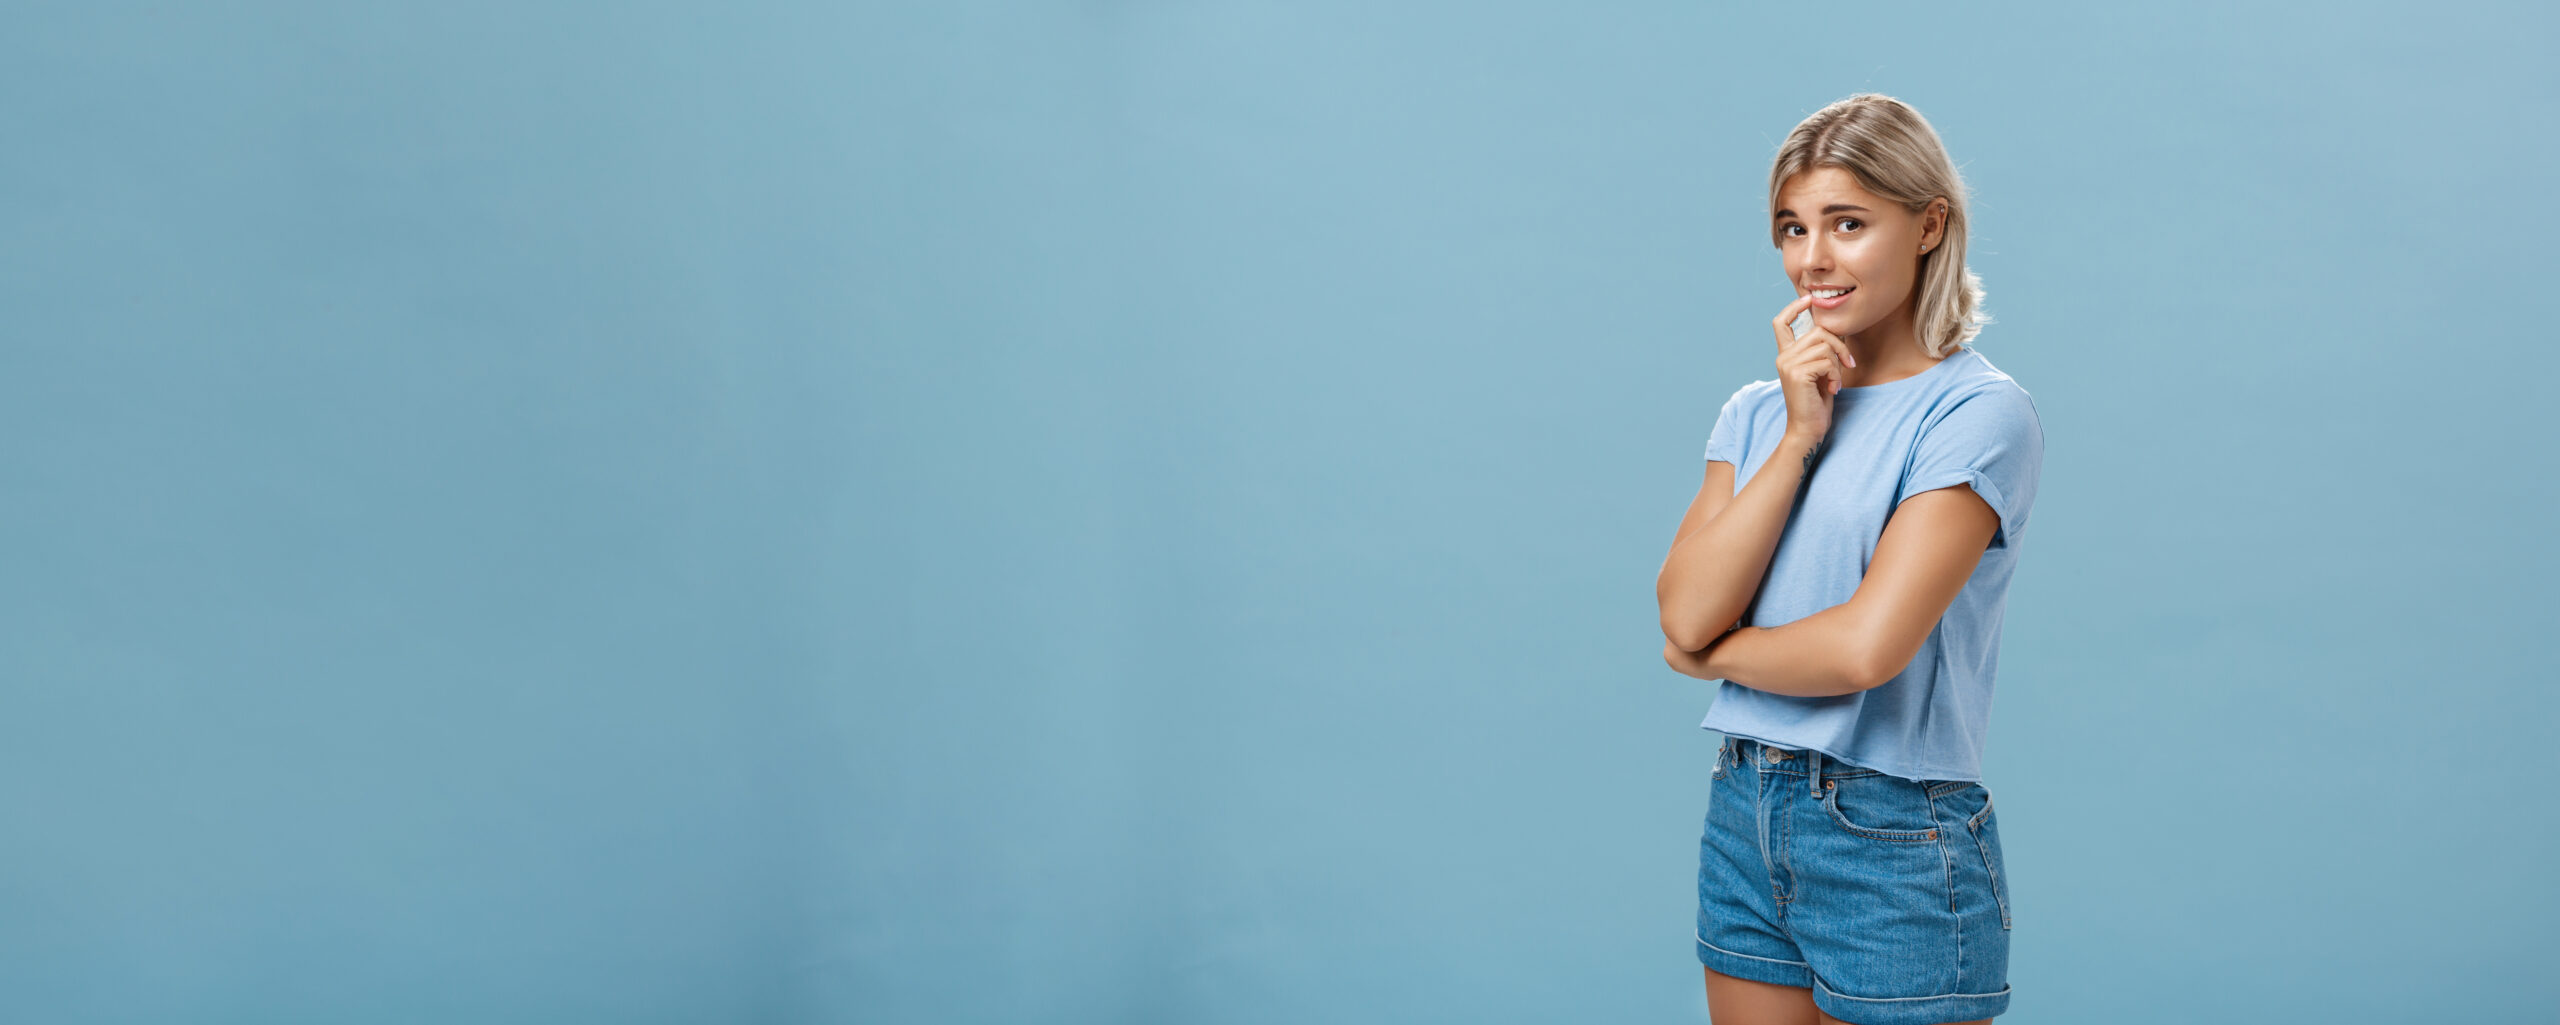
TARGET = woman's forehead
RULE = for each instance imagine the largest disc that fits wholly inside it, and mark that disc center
(1811, 189)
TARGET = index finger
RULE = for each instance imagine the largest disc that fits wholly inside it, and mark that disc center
(1786, 317)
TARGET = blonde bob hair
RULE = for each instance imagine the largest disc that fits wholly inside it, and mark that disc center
(1894, 153)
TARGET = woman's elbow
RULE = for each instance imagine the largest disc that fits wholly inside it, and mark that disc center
(1875, 664)
(1684, 633)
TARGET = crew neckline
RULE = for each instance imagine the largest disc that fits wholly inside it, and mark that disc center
(1869, 389)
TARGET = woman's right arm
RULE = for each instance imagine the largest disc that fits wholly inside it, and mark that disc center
(1725, 542)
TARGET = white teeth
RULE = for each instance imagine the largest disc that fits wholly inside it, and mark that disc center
(1826, 293)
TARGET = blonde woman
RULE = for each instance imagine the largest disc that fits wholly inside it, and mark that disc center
(1843, 572)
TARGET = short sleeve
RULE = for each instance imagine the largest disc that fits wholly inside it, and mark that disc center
(1724, 442)
(1993, 442)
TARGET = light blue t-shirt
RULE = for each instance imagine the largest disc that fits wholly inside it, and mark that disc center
(1961, 421)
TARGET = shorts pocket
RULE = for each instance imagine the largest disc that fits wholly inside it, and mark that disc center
(1985, 828)
(1722, 751)
(1880, 807)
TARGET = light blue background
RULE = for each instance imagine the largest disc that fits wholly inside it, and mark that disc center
(1147, 512)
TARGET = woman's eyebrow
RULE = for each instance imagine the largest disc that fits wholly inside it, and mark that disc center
(1832, 209)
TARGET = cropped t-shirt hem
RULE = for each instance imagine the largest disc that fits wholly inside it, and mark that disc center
(1917, 775)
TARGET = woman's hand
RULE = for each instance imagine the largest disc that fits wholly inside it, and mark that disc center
(1809, 371)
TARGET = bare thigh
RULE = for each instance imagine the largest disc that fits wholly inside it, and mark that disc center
(1732, 1001)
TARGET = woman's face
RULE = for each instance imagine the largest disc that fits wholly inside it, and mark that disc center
(1834, 234)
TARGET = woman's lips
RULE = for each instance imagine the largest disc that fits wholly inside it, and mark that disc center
(1834, 302)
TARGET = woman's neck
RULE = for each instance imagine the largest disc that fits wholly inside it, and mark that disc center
(1886, 355)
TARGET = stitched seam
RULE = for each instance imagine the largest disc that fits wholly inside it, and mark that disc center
(1754, 957)
(1831, 804)
(1974, 826)
(1786, 859)
(1996, 893)
(1760, 821)
(1949, 858)
(1817, 980)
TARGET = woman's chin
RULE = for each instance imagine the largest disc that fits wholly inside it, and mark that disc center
(1834, 322)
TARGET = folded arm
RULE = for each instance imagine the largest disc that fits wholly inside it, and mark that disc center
(1928, 551)
(1724, 544)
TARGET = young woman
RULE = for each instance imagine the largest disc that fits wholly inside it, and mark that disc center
(1843, 572)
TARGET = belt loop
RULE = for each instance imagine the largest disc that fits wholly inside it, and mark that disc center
(1813, 770)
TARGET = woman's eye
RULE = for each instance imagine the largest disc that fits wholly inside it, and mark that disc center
(1790, 230)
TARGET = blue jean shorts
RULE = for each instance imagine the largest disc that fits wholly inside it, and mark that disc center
(1883, 895)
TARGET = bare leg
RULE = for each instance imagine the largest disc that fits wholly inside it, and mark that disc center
(1732, 1001)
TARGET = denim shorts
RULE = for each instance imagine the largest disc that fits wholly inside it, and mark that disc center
(1883, 895)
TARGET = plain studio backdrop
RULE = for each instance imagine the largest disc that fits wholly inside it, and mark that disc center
(1147, 512)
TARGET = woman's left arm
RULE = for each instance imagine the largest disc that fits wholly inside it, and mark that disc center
(1929, 550)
